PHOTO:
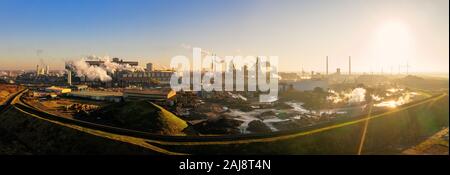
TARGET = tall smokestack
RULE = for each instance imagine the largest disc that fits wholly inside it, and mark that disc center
(407, 67)
(149, 67)
(69, 77)
(349, 65)
(327, 65)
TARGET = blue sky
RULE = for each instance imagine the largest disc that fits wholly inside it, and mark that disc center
(302, 33)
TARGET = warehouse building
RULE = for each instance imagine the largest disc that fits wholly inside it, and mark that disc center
(146, 78)
(98, 95)
(164, 96)
(303, 85)
(58, 90)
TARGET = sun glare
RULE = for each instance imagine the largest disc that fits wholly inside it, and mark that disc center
(393, 42)
(393, 31)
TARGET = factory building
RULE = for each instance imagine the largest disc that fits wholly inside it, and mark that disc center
(114, 60)
(162, 96)
(80, 87)
(42, 70)
(98, 95)
(58, 90)
(145, 78)
(338, 71)
(304, 85)
(131, 63)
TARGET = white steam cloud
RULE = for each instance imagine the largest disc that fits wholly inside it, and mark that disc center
(357, 95)
(101, 72)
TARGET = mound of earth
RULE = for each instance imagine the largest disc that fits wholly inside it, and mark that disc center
(423, 83)
(258, 126)
(266, 115)
(139, 115)
(220, 125)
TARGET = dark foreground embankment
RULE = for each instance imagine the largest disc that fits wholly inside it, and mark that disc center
(23, 134)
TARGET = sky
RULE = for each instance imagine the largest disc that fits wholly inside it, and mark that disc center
(379, 35)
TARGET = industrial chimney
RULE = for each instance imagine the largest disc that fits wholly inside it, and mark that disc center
(149, 67)
(47, 70)
(349, 65)
(327, 65)
(69, 77)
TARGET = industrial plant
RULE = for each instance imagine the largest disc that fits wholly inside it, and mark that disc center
(121, 94)
(115, 73)
(203, 77)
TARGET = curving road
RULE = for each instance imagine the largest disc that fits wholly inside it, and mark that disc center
(10, 100)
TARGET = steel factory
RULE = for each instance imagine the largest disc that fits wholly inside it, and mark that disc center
(130, 76)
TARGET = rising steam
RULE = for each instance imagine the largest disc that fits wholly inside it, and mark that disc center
(101, 72)
(357, 95)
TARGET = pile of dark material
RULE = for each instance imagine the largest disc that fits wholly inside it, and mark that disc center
(258, 126)
(221, 125)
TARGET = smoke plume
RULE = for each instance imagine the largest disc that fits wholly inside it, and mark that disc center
(357, 95)
(101, 72)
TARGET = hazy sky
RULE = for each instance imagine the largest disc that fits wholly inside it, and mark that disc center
(377, 34)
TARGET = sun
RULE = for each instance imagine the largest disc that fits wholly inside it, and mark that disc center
(394, 33)
(393, 42)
